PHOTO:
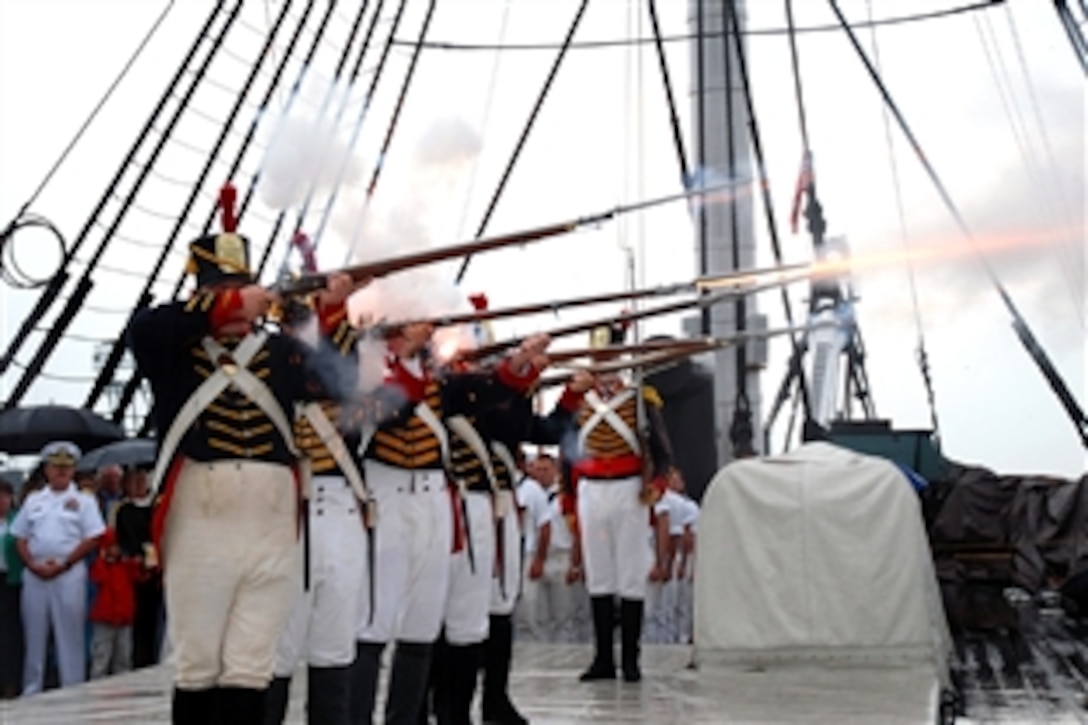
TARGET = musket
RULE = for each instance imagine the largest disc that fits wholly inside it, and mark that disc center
(736, 280)
(560, 357)
(307, 283)
(701, 301)
(673, 351)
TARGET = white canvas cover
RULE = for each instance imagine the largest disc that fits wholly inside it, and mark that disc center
(819, 554)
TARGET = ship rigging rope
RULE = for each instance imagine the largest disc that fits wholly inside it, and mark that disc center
(1019, 324)
(1056, 191)
(999, 72)
(560, 56)
(11, 273)
(10, 270)
(335, 87)
(489, 99)
(588, 44)
(922, 356)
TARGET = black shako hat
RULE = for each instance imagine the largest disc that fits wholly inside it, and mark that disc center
(224, 257)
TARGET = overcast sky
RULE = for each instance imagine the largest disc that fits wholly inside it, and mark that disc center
(995, 99)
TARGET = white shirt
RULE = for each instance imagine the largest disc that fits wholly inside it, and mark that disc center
(54, 523)
(533, 501)
(690, 513)
(561, 537)
(672, 503)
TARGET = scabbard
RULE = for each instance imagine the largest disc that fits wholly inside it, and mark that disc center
(500, 552)
(305, 545)
(372, 573)
(468, 535)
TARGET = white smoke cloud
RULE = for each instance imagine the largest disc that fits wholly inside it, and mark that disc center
(306, 154)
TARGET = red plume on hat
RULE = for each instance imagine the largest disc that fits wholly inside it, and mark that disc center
(222, 257)
(228, 195)
(479, 301)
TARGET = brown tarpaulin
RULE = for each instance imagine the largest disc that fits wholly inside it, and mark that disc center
(1033, 528)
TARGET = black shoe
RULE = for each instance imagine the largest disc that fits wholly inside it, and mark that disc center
(598, 671)
(503, 713)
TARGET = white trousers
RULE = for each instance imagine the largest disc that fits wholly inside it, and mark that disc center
(660, 613)
(549, 602)
(413, 537)
(59, 603)
(468, 604)
(615, 528)
(321, 628)
(505, 590)
(230, 567)
(685, 603)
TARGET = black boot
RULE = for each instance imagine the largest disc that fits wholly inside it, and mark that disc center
(604, 662)
(193, 707)
(240, 706)
(363, 681)
(464, 667)
(407, 682)
(630, 637)
(498, 652)
(275, 700)
(327, 695)
(438, 684)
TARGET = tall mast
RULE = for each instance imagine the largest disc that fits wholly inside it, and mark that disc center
(724, 231)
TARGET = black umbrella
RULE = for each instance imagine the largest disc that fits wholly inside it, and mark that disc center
(28, 429)
(131, 452)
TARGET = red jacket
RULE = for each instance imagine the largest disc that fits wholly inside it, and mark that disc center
(115, 600)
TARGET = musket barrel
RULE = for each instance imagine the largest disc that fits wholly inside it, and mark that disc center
(306, 284)
(701, 301)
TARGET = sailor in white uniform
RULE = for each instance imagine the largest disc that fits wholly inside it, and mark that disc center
(54, 531)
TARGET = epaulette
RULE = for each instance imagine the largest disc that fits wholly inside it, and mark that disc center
(650, 394)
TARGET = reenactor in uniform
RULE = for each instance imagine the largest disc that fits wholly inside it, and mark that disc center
(420, 514)
(621, 469)
(321, 628)
(228, 519)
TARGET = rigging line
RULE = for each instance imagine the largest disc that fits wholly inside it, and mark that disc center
(75, 337)
(94, 112)
(700, 110)
(387, 141)
(799, 96)
(765, 187)
(740, 306)
(1073, 31)
(666, 82)
(489, 99)
(400, 103)
(1029, 83)
(1023, 332)
(590, 44)
(183, 217)
(525, 132)
(81, 379)
(1066, 209)
(281, 118)
(58, 281)
(922, 356)
(270, 91)
(330, 91)
(360, 117)
(1000, 76)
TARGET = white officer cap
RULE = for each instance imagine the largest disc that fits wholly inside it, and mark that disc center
(61, 453)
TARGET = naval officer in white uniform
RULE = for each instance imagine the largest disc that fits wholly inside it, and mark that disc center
(54, 531)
